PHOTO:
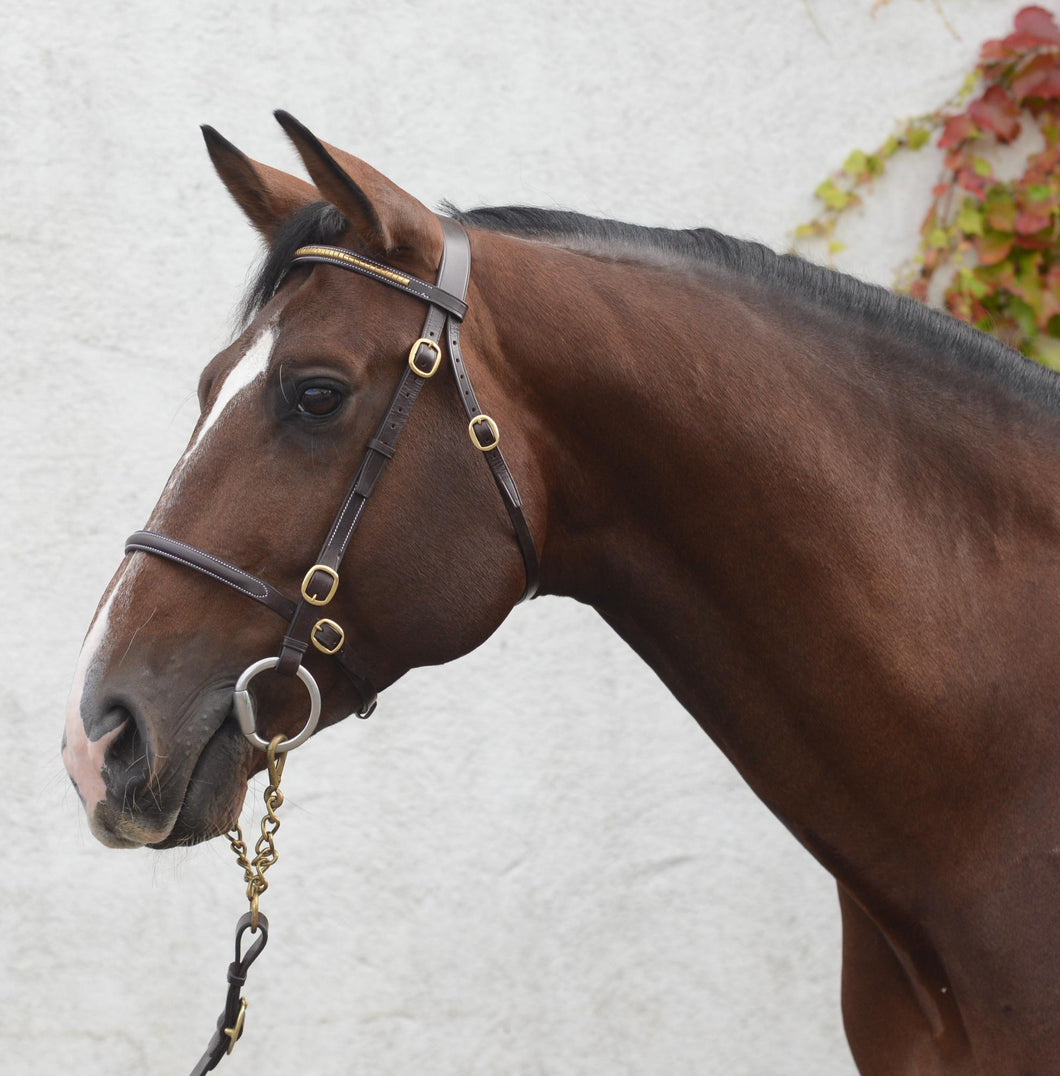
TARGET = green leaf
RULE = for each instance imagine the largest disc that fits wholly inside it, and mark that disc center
(835, 247)
(1046, 349)
(1038, 192)
(856, 163)
(993, 247)
(1000, 210)
(889, 148)
(1024, 317)
(970, 218)
(981, 167)
(938, 238)
(915, 137)
(832, 196)
(973, 285)
(810, 230)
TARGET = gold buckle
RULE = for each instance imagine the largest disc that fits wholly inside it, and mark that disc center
(414, 351)
(493, 429)
(236, 1030)
(325, 623)
(309, 578)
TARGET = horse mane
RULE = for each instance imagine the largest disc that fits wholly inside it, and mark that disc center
(946, 341)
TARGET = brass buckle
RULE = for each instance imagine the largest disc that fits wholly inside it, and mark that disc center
(309, 578)
(235, 1032)
(324, 622)
(414, 351)
(493, 430)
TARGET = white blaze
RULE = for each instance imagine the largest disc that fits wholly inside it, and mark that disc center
(251, 366)
(84, 758)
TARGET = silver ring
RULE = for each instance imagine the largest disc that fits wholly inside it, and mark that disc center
(244, 705)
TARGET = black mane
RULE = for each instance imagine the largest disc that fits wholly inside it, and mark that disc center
(947, 339)
(319, 223)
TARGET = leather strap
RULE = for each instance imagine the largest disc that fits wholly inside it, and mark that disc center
(230, 1022)
(382, 447)
(450, 300)
(208, 564)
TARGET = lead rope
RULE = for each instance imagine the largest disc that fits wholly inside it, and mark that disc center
(230, 1022)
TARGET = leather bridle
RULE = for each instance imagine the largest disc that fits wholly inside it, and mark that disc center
(446, 307)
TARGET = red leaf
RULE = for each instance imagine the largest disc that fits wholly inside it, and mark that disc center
(972, 182)
(939, 190)
(1018, 44)
(957, 129)
(1039, 24)
(956, 159)
(1050, 307)
(960, 306)
(1039, 241)
(993, 248)
(1041, 78)
(1031, 221)
(1046, 85)
(995, 49)
(996, 111)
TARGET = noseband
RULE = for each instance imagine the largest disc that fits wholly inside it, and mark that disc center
(446, 307)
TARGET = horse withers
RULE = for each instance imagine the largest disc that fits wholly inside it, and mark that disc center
(827, 517)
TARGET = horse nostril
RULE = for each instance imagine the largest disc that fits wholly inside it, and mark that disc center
(105, 720)
(127, 760)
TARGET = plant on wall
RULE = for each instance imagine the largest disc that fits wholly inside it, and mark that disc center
(989, 246)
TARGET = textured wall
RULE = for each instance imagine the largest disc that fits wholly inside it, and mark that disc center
(531, 861)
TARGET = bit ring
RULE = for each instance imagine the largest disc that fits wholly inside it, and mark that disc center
(243, 705)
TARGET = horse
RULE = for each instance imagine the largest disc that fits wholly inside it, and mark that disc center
(826, 516)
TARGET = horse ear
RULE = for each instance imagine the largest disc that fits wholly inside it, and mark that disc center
(385, 216)
(267, 195)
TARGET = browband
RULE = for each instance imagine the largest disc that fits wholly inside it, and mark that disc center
(446, 308)
(344, 259)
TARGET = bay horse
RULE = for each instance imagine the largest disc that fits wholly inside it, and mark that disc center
(826, 516)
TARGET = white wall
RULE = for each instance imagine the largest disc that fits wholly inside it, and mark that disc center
(531, 861)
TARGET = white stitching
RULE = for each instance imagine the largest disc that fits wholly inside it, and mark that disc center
(265, 588)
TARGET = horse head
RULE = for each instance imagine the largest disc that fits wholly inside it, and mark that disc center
(286, 413)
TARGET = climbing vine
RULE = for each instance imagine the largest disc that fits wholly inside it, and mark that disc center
(989, 245)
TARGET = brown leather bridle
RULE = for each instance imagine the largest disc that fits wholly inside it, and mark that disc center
(446, 307)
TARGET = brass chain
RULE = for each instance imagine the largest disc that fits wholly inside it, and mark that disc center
(265, 853)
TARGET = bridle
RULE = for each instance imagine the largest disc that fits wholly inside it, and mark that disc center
(446, 308)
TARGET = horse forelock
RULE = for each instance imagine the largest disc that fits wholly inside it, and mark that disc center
(319, 223)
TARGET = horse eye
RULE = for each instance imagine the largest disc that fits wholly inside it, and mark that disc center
(318, 400)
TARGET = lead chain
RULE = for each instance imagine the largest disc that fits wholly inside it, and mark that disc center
(265, 853)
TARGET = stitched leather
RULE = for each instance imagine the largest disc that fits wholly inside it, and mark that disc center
(190, 557)
(429, 293)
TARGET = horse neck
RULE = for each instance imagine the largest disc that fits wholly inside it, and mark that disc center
(763, 509)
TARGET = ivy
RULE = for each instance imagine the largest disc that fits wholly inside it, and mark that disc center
(990, 246)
